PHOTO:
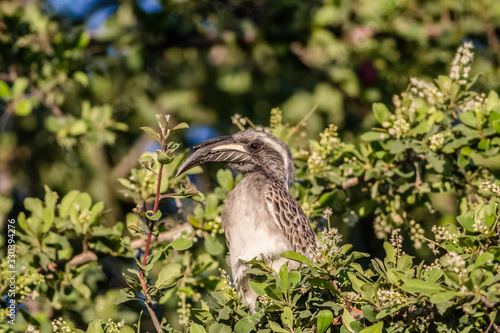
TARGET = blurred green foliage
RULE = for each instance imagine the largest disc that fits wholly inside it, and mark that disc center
(73, 101)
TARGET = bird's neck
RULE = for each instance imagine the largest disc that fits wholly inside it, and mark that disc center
(264, 178)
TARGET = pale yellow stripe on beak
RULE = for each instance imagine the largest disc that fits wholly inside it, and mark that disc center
(231, 146)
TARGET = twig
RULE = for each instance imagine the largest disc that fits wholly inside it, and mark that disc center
(350, 182)
(492, 322)
(150, 235)
(54, 108)
(123, 167)
(85, 257)
(11, 76)
(295, 129)
(59, 265)
(152, 314)
(166, 236)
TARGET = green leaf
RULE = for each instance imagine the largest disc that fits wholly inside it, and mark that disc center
(126, 329)
(35, 206)
(283, 281)
(324, 284)
(79, 127)
(433, 275)
(224, 313)
(225, 179)
(381, 112)
(469, 119)
(84, 200)
(122, 297)
(377, 328)
(423, 287)
(168, 276)
(151, 132)
(422, 128)
(196, 328)
(484, 144)
(287, 317)
(297, 257)
(496, 125)
(153, 217)
(213, 245)
(83, 290)
(244, 325)
(466, 151)
(389, 310)
(369, 313)
(436, 161)
(293, 279)
(482, 259)
(82, 78)
(404, 263)
(219, 328)
(399, 146)
(48, 219)
(348, 320)
(23, 107)
(443, 296)
(21, 219)
(390, 252)
(492, 101)
(95, 326)
(277, 328)
(274, 292)
(467, 222)
(4, 89)
(365, 207)
(179, 244)
(374, 136)
(179, 127)
(325, 318)
(258, 287)
(19, 87)
(463, 161)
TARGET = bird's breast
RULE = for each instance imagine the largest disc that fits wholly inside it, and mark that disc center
(249, 225)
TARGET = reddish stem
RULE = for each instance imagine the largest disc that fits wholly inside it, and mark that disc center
(158, 187)
(148, 242)
(151, 226)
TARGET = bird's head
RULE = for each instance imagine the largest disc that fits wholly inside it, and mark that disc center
(247, 152)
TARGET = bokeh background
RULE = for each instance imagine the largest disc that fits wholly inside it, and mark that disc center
(79, 78)
(118, 63)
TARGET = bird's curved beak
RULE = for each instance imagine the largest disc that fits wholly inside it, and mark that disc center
(221, 149)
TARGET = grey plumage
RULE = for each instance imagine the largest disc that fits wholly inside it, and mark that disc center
(260, 218)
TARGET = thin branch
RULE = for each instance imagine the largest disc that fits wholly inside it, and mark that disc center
(350, 182)
(152, 314)
(150, 234)
(85, 257)
(166, 236)
(295, 129)
(491, 324)
(59, 265)
(122, 168)
(11, 76)
(54, 108)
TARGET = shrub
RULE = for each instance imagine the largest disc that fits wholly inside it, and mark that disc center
(436, 140)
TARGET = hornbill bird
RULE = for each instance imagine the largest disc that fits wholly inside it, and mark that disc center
(260, 218)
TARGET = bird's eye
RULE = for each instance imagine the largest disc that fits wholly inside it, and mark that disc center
(255, 146)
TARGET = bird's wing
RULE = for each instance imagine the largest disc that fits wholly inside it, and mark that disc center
(290, 219)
